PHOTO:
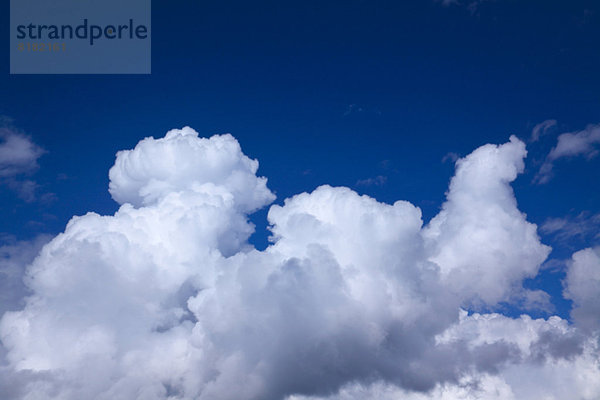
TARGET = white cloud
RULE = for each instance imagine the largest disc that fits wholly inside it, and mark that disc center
(582, 285)
(555, 364)
(15, 256)
(18, 154)
(18, 158)
(165, 299)
(582, 143)
(481, 241)
(183, 162)
(583, 226)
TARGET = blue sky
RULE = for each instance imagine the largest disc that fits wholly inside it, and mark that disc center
(326, 92)
(374, 95)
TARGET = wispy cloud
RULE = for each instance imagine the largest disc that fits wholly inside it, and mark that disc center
(581, 143)
(379, 180)
(583, 226)
(450, 157)
(542, 129)
(18, 160)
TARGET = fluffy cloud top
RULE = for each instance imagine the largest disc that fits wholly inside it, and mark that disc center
(482, 243)
(354, 298)
(182, 162)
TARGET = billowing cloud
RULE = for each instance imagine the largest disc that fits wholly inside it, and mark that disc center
(554, 363)
(480, 240)
(354, 298)
(582, 143)
(15, 256)
(181, 162)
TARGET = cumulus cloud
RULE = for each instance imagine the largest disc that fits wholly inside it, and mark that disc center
(353, 298)
(555, 363)
(181, 162)
(582, 143)
(15, 256)
(582, 285)
(482, 243)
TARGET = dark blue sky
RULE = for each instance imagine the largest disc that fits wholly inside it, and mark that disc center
(328, 92)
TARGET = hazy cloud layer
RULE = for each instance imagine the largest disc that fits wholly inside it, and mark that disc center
(353, 299)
